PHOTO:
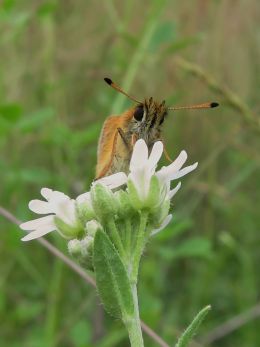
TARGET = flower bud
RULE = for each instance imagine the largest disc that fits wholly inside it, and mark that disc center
(124, 206)
(103, 202)
(158, 215)
(84, 208)
(82, 250)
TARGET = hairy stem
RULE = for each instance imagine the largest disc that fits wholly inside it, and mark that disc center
(133, 324)
(116, 238)
(140, 242)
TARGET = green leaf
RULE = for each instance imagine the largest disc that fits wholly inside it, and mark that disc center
(112, 281)
(192, 328)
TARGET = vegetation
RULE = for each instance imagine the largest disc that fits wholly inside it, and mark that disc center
(53, 101)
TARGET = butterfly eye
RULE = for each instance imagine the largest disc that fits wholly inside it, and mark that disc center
(139, 112)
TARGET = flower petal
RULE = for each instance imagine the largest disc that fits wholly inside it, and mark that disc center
(166, 171)
(140, 155)
(37, 223)
(40, 207)
(39, 232)
(46, 193)
(57, 196)
(113, 181)
(66, 210)
(163, 225)
(174, 190)
(156, 154)
(182, 172)
(84, 198)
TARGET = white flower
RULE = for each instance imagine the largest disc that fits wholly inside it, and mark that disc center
(142, 169)
(143, 166)
(58, 205)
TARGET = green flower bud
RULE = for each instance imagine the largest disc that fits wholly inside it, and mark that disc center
(158, 215)
(85, 211)
(82, 250)
(68, 231)
(124, 206)
(103, 201)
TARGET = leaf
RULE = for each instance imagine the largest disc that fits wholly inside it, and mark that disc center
(112, 281)
(192, 328)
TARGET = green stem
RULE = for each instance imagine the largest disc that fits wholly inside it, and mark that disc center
(140, 242)
(116, 238)
(133, 323)
(128, 240)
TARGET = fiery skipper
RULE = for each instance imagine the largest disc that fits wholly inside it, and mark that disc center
(119, 133)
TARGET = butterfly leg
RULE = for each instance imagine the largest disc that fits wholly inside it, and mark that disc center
(124, 139)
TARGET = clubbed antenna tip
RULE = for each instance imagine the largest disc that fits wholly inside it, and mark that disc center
(108, 80)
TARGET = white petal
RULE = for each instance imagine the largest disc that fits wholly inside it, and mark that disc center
(39, 232)
(57, 196)
(163, 225)
(140, 155)
(65, 210)
(113, 181)
(40, 207)
(174, 190)
(141, 178)
(156, 154)
(37, 223)
(84, 198)
(46, 193)
(173, 167)
(182, 172)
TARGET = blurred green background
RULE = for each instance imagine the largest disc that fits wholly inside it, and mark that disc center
(53, 101)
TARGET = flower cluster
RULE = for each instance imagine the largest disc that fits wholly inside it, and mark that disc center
(117, 212)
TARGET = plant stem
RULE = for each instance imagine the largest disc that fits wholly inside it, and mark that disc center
(116, 238)
(128, 241)
(133, 324)
(139, 246)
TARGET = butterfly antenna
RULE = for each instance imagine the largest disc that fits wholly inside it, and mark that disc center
(195, 107)
(120, 90)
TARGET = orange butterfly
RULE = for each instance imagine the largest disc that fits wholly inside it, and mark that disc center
(119, 133)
